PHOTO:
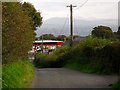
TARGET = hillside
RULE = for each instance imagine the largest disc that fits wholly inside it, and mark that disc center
(82, 27)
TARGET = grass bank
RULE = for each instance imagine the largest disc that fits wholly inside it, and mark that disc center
(87, 68)
(17, 75)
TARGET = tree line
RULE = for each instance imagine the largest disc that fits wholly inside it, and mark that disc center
(105, 32)
(53, 37)
(98, 31)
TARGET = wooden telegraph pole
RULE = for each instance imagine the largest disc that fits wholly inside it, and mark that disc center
(42, 43)
(71, 24)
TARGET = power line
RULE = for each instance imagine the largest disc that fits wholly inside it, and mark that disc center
(64, 24)
(77, 9)
(82, 5)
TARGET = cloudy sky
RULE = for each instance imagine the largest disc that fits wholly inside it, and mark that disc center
(93, 9)
(89, 10)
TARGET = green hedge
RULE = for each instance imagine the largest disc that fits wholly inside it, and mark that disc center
(95, 55)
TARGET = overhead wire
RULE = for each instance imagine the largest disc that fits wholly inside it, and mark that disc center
(64, 24)
(76, 27)
(82, 5)
(61, 30)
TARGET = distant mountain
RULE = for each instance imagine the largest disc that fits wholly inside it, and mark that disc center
(58, 26)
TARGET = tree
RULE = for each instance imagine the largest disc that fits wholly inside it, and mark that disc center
(103, 31)
(61, 37)
(17, 32)
(32, 13)
(48, 37)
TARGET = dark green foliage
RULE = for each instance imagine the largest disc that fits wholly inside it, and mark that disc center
(110, 55)
(48, 37)
(17, 32)
(97, 56)
(45, 60)
(103, 31)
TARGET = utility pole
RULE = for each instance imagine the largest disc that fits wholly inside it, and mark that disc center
(71, 24)
(42, 43)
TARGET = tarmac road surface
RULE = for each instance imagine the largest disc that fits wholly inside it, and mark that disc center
(66, 78)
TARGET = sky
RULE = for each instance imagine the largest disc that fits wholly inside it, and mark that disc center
(88, 10)
(92, 9)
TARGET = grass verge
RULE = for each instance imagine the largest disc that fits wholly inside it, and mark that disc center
(17, 75)
(87, 68)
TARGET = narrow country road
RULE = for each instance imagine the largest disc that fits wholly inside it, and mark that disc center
(66, 78)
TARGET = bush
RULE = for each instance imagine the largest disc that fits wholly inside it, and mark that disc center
(51, 60)
(44, 60)
(17, 75)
